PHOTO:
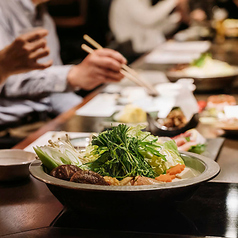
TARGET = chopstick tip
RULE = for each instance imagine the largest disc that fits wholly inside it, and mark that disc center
(85, 36)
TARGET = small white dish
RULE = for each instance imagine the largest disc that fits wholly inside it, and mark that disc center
(14, 164)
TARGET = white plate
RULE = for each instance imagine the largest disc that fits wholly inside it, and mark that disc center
(43, 140)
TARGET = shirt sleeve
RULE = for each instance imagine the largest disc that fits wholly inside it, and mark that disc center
(148, 15)
(38, 83)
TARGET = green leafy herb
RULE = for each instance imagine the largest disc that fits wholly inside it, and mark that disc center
(129, 151)
(123, 152)
(198, 149)
(120, 154)
(201, 60)
(187, 139)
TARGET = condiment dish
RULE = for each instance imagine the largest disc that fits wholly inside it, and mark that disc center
(14, 164)
(160, 130)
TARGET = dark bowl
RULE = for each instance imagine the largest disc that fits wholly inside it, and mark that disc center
(156, 129)
(206, 83)
(99, 199)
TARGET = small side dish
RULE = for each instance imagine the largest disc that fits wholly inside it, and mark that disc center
(130, 114)
(214, 108)
(14, 164)
(191, 141)
(229, 125)
(174, 120)
(216, 103)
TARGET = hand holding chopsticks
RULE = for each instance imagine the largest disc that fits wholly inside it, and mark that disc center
(103, 66)
(126, 70)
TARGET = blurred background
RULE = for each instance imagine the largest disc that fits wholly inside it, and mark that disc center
(196, 20)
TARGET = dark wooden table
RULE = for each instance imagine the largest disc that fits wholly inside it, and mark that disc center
(28, 209)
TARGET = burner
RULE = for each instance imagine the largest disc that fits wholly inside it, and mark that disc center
(206, 213)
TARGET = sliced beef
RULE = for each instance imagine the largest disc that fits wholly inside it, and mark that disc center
(89, 177)
(65, 172)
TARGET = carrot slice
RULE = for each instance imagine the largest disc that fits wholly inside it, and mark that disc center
(176, 169)
(165, 178)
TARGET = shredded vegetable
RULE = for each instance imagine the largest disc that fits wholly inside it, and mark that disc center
(59, 153)
(128, 151)
(120, 152)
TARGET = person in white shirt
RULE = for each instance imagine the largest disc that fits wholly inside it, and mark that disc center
(141, 23)
(50, 90)
(23, 53)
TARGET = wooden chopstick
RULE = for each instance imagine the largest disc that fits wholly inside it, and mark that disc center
(87, 48)
(122, 71)
(92, 42)
(98, 46)
(131, 73)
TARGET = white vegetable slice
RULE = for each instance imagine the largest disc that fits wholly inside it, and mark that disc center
(185, 174)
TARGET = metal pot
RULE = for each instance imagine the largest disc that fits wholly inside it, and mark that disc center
(98, 199)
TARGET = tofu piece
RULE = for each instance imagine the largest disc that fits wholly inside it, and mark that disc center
(186, 173)
(176, 179)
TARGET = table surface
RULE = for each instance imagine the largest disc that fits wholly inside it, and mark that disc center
(28, 209)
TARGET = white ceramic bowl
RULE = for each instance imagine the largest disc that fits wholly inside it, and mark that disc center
(14, 164)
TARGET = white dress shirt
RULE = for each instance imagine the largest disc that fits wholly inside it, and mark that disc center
(38, 90)
(145, 25)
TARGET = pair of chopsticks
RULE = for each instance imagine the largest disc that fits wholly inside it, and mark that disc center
(126, 70)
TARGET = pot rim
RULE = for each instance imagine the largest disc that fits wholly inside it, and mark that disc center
(211, 170)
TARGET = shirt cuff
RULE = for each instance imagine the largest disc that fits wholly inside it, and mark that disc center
(61, 84)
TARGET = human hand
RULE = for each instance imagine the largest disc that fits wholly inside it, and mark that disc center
(101, 66)
(182, 1)
(22, 55)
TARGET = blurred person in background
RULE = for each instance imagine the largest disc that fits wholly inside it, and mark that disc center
(50, 91)
(143, 24)
(22, 54)
(204, 9)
